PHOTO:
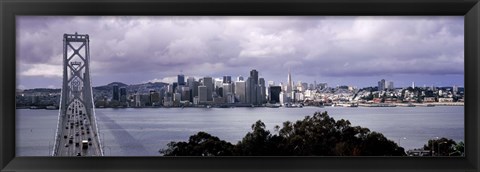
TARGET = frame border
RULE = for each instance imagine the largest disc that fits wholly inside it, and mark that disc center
(470, 9)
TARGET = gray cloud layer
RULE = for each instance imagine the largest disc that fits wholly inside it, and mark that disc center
(138, 49)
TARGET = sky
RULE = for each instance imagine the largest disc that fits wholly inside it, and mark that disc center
(337, 50)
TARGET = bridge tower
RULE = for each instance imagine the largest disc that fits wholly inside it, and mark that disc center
(77, 131)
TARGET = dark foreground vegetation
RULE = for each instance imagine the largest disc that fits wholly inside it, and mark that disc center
(317, 135)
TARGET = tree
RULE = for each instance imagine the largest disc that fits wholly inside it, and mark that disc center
(200, 144)
(318, 135)
(441, 147)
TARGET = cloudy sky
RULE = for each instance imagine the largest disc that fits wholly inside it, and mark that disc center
(357, 51)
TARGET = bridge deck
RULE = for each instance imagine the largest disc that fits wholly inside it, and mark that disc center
(77, 127)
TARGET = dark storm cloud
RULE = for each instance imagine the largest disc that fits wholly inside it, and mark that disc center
(138, 49)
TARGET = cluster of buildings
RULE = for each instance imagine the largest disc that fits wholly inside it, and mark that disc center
(208, 91)
(250, 91)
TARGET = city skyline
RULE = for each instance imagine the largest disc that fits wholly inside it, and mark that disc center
(356, 51)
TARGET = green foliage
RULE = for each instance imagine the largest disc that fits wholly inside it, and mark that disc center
(200, 144)
(444, 147)
(317, 135)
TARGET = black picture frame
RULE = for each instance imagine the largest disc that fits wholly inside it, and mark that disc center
(470, 9)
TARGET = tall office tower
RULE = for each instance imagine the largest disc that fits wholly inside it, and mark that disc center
(413, 84)
(202, 93)
(195, 88)
(263, 91)
(208, 82)
(154, 97)
(240, 78)
(174, 86)
(218, 83)
(176, 99)
(190, 81)
(254, 76)
(390, 86)
(381, 85)
(274, 94)
(240, 90)
(289, 84)
(227, 89)
(259, 99)
(250, 90)
(181, 79)
(218, 92)
(186, 94)
(227, 79)
(123, 94)
(169, 88)
(116, 95)
(315, 84)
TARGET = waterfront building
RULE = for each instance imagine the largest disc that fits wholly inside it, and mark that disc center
(115, 94)
(123, 95)
(274, 94)
(154, 98)
(186, 94)
(263, 91)
(227, 89)
(240, 90)
(137, 100)
(208, 82)
(219, 91)
(202, 93)
(176, 99)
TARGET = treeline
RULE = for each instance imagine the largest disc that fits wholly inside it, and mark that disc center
(317, 135)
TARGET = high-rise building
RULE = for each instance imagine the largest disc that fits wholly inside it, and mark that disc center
(227, 88)
(289, 84)
(240, 90)
(274, 94)
(208, 82)
(116, 95)
(390, 85)
(202, 94)
(413, 84)
(227, 79)
(381, 85)
(154, 98)
(123, 94)
(181, 79)
(263, 91)
(240, 78)
(254, 76)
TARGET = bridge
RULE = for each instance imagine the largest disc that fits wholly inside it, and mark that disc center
(77, 131)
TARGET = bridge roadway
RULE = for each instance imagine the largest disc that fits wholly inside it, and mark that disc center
(77, 128)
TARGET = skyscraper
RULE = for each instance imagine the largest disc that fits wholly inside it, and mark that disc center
(227, 79)
(240, 78)
(240, 91)
(181, 79)
(274, 94)
(202, 93)
(123, 94)
(208, 82)
(263, 91)
(289, 83)
(390, 85)
(116, 95)
(254, 76)
(381, 85)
